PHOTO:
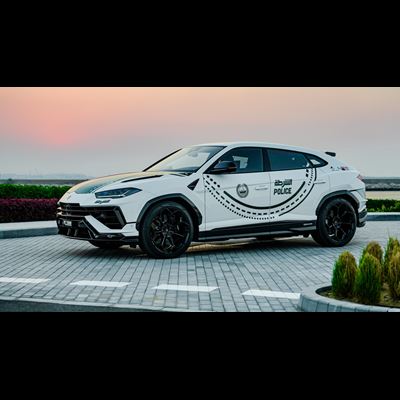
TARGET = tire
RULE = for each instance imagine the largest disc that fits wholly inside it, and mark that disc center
(106, 245)
(166, 231)
(336, 223)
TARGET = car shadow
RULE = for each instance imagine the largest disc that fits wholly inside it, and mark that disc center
(200, 249)
(207, 248)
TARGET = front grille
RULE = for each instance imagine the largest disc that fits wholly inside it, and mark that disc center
(111, 217)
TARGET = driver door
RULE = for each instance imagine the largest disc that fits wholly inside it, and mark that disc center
(241, 197)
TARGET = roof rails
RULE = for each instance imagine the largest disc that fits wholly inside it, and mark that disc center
(330, 153)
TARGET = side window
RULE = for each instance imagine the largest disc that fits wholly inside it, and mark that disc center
(282, 160)
(247, 159)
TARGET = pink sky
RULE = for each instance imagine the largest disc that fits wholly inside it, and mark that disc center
(97, 131)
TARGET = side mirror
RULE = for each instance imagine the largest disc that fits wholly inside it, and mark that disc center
(223, 167)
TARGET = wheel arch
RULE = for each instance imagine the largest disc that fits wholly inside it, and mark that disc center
(342, 194)
(178, 198)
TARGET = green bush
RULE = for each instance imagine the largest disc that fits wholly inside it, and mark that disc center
(368, 283)
(375, 249)
(393, 245)
(393, 276)
(383, 205)
(344, 274)
(8, 191)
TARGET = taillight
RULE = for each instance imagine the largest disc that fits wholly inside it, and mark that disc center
(360, 177)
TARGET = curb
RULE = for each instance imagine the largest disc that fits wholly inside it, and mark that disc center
(395, 216)
(27, 232)
(11, 304)
(311, 301)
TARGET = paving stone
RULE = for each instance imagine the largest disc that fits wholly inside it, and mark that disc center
(288, 265)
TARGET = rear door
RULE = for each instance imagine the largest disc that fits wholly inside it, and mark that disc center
(239, 198)
(295, 186)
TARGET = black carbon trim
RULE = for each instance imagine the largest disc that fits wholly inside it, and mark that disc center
(193, 185)
(281, 228)
(168, 197)
(337, 194)
(266, 207)
(362, 218)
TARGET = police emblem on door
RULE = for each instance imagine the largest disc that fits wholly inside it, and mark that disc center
(242, 190)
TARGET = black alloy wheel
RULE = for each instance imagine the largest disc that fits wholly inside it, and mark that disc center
(336, 223)
(167, 230)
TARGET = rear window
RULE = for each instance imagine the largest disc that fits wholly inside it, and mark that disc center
(316, 161)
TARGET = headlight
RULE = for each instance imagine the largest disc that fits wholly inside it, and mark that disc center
(116, 193)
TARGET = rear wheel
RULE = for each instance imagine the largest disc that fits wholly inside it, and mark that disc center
(167, 230)
(106, 245)
(336, 223)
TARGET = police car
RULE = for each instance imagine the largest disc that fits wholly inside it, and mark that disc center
(220, 191)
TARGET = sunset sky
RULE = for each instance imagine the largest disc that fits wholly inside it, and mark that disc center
(100, 131)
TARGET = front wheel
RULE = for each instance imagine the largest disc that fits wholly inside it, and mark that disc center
(167, 230)
(336, 223)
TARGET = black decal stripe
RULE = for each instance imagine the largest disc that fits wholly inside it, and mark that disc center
(315, 178)
(266, 207)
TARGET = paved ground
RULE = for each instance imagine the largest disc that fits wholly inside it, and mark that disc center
(212, 277)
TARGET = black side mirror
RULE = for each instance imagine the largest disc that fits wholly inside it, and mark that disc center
(223, 167)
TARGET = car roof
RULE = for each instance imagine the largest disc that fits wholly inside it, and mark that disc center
(267, 144)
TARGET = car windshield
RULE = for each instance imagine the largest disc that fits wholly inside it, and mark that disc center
(186, 161)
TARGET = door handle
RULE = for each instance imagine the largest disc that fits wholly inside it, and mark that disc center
(261, 187)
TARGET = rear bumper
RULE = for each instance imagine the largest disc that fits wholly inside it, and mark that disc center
(362, 218)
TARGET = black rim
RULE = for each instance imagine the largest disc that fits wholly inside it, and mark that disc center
(340, 222)
(169, 230)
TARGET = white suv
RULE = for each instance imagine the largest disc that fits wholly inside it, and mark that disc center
(215, 192)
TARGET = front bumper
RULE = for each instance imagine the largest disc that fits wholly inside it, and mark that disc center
(83, 230)
(95, 223)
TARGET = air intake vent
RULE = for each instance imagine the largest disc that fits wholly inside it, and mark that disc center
(330, 153)
(111, 217)
(193, 184)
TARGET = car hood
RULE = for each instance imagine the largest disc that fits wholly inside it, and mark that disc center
(92, 185)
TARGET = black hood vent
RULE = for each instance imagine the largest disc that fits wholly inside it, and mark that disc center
(142, 177)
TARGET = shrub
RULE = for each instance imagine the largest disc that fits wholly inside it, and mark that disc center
(8, 191)
(393, 245)
(368, 284)
(393, 276)
(383, 205)
(344, 273)
(20, 210)
(375, 249)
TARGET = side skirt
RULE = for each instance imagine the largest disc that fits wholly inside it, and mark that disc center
(285, 228)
